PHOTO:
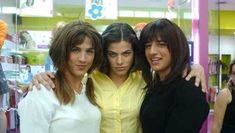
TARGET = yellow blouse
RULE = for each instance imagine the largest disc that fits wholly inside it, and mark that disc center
(120, 106)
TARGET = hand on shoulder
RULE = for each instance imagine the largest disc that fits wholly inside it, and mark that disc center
(225, 96)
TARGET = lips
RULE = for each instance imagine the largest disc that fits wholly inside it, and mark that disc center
(120, 68)
(81, 66)
(155, 61)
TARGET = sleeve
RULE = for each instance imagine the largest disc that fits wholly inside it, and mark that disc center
(36, 111)
(189, 111)
(3, 82)
(3, 32)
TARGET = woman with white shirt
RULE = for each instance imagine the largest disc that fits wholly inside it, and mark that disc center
(70, 107)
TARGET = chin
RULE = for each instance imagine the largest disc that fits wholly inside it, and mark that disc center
(155, 68)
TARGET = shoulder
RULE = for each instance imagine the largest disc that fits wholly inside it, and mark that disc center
(137, 74)
(225, 96)
(96, 74)
(182, 85)
(40, 101)
(188, 90)
(40, 97)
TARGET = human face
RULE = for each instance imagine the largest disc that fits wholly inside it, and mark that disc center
(120, 57)
(232, 75)
(80, 59)
(159, 57)
(27, 36)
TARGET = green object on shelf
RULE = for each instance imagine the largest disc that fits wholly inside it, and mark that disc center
(35, 57)
(225, 60)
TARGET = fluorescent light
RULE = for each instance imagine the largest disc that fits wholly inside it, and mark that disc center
(171, 15)
(10, 10)
(126, 13)
(141, 14)
(155, 14)
(188, 15)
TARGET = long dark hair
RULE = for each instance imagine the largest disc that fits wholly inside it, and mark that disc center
(177, 45)
(117, 32)
(230, 84)
(70, 35)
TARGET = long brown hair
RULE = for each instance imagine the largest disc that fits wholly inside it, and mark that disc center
(64, 40)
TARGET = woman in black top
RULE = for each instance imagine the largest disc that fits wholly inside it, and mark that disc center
(224, 113)
(171, 105)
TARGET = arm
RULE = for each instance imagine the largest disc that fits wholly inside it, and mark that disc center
(223, 99)
(35, 111)
(3, 119)
(44, 78)
(189, 111)
(197, 71)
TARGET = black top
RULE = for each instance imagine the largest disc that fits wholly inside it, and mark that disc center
(229, 117)
(3, 82)
(179, 107)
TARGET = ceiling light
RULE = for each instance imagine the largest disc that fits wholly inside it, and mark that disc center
(141, 14)
(10, 10)
(187, 15)
(126, 13)
(155, 14)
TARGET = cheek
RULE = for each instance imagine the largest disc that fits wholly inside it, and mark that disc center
(91, 59)
(71, 57)
(168, 55)
(147, 54)
(131, 60)
(111, 60)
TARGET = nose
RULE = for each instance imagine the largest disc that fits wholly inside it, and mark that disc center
(82, 56)
(153, 49)
(119, 59)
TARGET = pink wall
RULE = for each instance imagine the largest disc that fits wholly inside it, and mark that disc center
(200, 38)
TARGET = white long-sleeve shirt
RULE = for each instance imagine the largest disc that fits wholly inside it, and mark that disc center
(41, 112)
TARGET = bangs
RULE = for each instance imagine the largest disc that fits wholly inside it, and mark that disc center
(155, 32)
(78, 39)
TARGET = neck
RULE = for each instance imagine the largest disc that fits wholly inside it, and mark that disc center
(162, 77)
(163, 74)
(74, 82)
(118, 79)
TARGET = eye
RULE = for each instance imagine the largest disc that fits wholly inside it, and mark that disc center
(127, 53)
(112, 54)
(91, 51)
(75, 50)
(161, 44)
(148, 45)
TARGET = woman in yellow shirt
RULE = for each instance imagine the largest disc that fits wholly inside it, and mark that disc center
(118, 85)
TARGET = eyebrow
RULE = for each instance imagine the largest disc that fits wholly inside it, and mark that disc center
(122, 52)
